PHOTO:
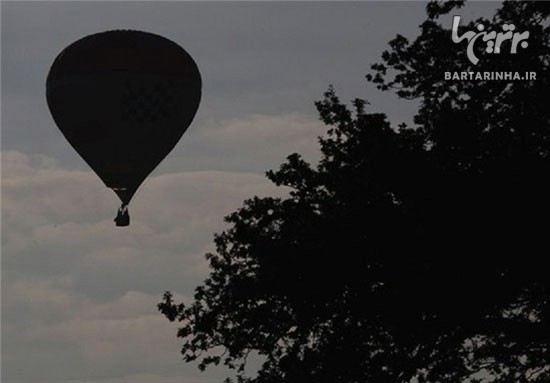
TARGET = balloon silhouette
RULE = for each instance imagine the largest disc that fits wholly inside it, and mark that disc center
(123, 99)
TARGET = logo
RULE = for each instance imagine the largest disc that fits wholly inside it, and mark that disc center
(492, 39)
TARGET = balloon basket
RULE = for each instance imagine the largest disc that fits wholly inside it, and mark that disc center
(123, 217)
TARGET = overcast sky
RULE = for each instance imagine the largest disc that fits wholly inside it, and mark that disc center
(78, 294)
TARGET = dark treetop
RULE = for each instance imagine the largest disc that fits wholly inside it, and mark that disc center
(406, 254)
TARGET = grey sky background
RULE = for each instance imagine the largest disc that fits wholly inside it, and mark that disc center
(78, 294)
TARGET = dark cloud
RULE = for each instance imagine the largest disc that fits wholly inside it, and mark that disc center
(255, 58)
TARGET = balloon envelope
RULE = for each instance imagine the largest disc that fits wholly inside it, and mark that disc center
(123, 99)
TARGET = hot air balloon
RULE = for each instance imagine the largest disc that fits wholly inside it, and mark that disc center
(123, 99)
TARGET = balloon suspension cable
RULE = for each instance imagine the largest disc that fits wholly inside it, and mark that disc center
(123, 217)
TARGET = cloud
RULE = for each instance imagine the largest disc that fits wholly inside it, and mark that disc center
(79, 292)
(255, 58)
(253, 143)
(150, 378)
(288, 133)
(90, 341)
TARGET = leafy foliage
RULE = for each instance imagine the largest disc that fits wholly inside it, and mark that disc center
(406, 254)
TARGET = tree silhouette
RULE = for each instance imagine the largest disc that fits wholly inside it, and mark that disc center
(408, 254)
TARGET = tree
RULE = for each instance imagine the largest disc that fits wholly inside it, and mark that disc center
(408, 253)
